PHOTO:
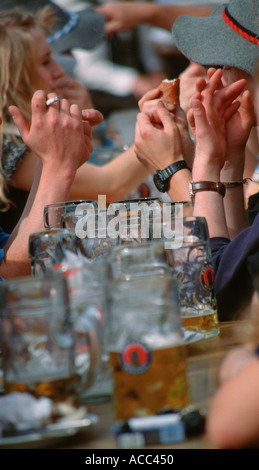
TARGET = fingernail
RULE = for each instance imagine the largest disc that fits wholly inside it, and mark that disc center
(160, 104)
(195, 104)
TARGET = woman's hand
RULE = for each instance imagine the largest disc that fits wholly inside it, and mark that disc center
(72, 90)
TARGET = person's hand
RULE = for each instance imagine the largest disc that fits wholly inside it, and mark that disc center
(92, 116)
(157, 147)
(239, 124)
(72, 90)
(210, 142)
(238, 115)
(120, 16)
(148, 105)
(188, 79)
(57, 134)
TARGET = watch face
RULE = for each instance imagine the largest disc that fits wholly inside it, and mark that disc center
(160, 184)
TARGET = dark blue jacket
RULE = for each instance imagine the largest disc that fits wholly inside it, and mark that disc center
(235, 265)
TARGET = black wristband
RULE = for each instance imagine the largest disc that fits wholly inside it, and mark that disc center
(174, 167)
(161, 177)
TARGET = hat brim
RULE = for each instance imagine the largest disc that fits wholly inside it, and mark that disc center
(87, 34)
(209, 41)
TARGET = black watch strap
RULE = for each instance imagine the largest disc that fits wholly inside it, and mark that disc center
(172, 169)
(161, 177)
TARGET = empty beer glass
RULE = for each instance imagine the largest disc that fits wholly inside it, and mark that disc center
(87, 295)
(50, 247)
(55, 213)
(133, 216)
(135, 259)
(46, 352)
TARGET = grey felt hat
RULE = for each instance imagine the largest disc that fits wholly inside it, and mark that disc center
(84, 29)
(228, 36)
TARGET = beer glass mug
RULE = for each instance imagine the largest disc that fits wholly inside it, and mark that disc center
(46, 352)
(95, 238)
(145, 343)
(87, 296)
(167, 223)
(53, 214)
(193, 267)
(133, 218)
(52, 246)
(137, 259)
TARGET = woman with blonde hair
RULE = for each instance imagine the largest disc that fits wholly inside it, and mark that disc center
(26, 64)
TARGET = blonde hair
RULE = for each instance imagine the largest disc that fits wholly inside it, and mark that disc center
(17, 67)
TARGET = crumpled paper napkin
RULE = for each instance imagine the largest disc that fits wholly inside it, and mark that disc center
(21, 412)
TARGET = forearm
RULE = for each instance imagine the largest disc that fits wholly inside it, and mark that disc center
(124, 16)
(53, 186)
(210, 204)
(179, 186)
(164, 16)
(123, 174)
(115, 179)
(236, 215)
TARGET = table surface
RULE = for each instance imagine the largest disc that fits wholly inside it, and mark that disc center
(203, 361)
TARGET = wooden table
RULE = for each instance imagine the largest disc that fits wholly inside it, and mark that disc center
(204, 358)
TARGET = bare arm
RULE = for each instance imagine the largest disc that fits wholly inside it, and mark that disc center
(238, 131)
(124, 16)
(238, 128)
(210, 131)
(115, 179)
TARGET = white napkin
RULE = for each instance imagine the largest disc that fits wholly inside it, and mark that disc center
(20, 412)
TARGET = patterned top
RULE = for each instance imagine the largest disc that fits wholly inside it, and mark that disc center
(13, 152)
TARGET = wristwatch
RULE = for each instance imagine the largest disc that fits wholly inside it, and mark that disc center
(194, 187)
(161, 177)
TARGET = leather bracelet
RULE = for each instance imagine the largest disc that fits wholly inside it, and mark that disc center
(234, 184)
(195, 187)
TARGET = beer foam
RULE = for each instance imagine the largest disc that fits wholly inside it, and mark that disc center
(157, 341)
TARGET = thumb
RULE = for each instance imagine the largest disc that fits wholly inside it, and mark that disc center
(20, 121)
(201, 123)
